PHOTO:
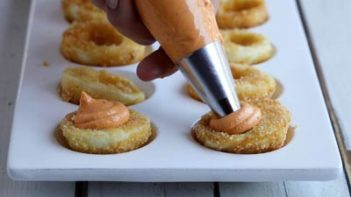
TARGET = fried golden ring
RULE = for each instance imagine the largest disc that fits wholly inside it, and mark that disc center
(99, 44)
(270, 134)
(82, 10)
(98, 84)
(129, 136)
(241, 13)
(243, 47)
(250, 83)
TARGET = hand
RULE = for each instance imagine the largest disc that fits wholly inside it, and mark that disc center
(124, 16)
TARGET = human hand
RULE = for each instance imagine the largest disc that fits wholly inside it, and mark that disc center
(124, 16)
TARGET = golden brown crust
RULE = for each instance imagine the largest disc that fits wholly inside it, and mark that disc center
(130, 136)
(99, 84)
(268, 135)
(245, 47)
(82, 10)
(99, 44)
(250, 83)
(241, 13)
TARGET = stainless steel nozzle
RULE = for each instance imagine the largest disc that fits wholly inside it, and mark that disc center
(208, 71)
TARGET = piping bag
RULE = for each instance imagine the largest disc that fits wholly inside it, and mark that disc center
(188, 32)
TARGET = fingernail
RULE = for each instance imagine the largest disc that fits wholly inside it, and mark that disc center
(112, 4)
(147, 73)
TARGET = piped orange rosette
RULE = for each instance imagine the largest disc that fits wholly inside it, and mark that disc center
(237, 122)
(105, 127)
(99, 113)
(260, 125)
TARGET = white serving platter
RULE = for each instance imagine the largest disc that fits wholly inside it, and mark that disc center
(173, 155)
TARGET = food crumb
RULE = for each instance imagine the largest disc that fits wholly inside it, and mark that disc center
(46, 63)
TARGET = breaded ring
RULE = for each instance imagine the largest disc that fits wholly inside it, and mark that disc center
(98, 84)
(82, 10)
(243, 47)
(99, 44)
(131, 135)
(241, 13)
(268, 135)
(250, 83)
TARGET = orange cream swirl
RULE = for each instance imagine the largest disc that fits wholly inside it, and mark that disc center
(238, 122)
(99, 113)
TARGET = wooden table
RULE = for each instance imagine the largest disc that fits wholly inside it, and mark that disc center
(329, 28)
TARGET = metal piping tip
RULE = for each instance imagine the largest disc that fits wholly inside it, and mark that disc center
(209, 73)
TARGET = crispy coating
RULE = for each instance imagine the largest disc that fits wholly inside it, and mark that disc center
(99, 84)
(130, 136)
(82, 10)
(243, 47)
(268, 135)
(98, 43)
(241, 13)
(250, 83)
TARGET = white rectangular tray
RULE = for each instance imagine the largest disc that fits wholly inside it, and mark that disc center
(34, 153)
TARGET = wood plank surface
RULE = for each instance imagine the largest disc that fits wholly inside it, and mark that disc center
(13, 23)
(109, 189)
(267, 189)
(336, 188)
